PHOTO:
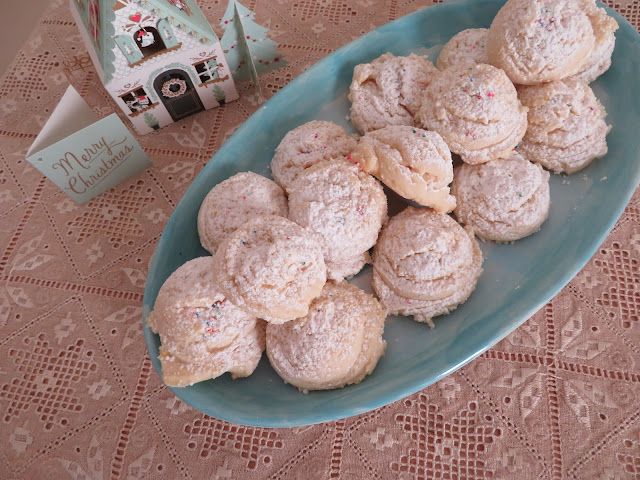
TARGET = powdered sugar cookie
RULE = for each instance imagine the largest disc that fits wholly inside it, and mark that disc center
(387, 91)
(198, 326)
(345, 206)
(502, 200)
(183, 368)
(190, 308)
(476, 110)
(271, 268)
(599, 61)
(234, 201)
(467, 47)
(307, 145)
(567, 127)
(425, 264)
(414, 163)
(338, 343)
(537, 41)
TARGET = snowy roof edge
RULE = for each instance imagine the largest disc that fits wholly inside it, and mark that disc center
(195, 21)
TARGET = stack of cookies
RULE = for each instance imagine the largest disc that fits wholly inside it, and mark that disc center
(506, 104)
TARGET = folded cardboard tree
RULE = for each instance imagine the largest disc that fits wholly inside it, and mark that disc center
(160, 59)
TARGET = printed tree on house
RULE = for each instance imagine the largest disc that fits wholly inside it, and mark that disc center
(219, 94)
(249, 50)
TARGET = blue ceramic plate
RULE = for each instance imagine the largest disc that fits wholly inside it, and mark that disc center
(518, 279)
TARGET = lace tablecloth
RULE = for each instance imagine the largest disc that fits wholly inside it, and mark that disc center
(79, 398)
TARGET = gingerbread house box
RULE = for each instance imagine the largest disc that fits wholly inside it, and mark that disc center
(159, 59)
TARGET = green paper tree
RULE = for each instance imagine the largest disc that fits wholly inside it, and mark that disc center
(249, 50)
(219, 94)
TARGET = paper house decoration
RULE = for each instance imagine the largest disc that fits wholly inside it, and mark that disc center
(159, 59)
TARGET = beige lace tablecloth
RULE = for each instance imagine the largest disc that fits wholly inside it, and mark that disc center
(79, 398)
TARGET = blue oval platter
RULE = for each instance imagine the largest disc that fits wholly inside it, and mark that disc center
(518, 279)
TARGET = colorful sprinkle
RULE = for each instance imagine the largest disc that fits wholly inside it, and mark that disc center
(491, 94)
(360, 210)
(219, 303)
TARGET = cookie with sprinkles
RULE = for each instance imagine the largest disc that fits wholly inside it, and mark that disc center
(306, 145)
(536, 41)
(476, 110)
(465, 48)
(346, 207)
(425, 264)
(338, 343)
(414, 163)
(271, 268)
(567, 127)
(195, 320)
(235, 201)
(387, 91)
(502, 200)
(182, 368)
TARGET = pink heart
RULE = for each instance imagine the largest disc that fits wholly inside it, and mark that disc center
(135, 17)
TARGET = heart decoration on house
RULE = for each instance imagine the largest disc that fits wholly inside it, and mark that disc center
(135, 17)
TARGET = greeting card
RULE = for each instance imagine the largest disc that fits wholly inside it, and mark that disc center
(82, 154)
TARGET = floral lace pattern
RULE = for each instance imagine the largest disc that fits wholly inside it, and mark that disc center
(557, 399)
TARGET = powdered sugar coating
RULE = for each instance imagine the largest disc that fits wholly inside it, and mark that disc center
(307, 145)
(271, 268)
(465, 48)
(240, 358)
(502, 200)
(338, 343)
(345, 206)
(234, 201)
(191, 309)
(196, 323)
(414, 163)
(537, 41)
(388, 91)
(476, 110)
(599, 61)
(425, 264)
(567, 127)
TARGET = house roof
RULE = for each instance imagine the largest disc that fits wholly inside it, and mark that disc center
(194, 22)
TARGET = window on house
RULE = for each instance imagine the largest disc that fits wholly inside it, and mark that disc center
(207, 70)
(137, 100)
(148, 41)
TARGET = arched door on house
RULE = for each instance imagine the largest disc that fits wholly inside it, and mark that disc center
(175, 89)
